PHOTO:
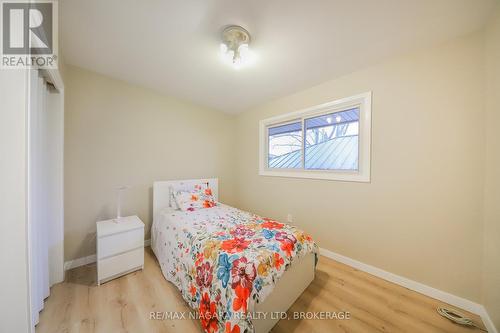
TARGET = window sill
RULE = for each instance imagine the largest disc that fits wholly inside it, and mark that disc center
(339, 176)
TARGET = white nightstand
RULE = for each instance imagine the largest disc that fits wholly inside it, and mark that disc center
(120, 247)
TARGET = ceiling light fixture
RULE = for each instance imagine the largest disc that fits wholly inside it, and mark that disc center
(234, 46)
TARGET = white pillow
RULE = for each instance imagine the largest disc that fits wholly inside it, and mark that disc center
(194, 200)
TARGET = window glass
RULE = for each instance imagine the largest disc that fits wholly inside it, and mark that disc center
(332, 141)
(285, 146)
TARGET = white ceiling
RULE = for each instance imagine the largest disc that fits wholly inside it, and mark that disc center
(172, 46)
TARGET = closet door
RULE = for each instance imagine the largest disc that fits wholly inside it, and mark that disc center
(38, 224)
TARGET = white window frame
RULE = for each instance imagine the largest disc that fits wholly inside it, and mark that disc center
(363, 174)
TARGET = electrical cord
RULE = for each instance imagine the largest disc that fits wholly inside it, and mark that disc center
(458, 318)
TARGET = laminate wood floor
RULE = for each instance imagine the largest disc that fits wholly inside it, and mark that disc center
(125, 304)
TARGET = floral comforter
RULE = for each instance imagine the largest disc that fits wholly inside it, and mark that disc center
(225, 260)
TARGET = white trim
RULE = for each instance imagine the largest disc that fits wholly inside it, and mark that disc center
(31, 327)
(363, 101)
(440, 295)
(70, 264)
(488, 323)
(53, 75)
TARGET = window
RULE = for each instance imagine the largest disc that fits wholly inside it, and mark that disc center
(329, 141)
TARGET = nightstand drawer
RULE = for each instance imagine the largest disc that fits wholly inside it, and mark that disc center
(120, 264)
(120, 242)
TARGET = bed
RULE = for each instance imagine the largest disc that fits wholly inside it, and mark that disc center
(239, 271)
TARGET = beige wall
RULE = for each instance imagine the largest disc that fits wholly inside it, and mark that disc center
(119, 134)
(491, 272)
(14, 304)
(421, 215)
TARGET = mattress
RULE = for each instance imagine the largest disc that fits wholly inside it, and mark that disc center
(226, 261)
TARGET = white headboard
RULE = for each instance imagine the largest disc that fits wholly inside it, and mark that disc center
(161, 191)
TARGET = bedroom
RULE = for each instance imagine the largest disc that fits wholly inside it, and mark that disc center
(361, 137)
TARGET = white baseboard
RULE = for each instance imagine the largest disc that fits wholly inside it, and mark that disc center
(487, 321)
(70, 264)
(443, 296)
